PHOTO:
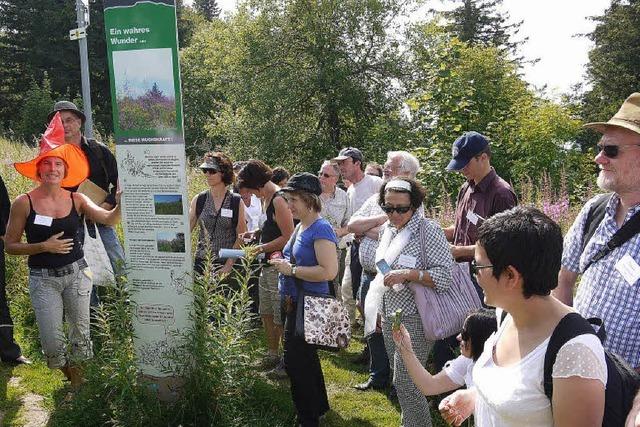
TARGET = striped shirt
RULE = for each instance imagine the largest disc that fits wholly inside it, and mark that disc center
(603, 292)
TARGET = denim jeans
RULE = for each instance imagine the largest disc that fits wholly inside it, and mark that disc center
(51, 297)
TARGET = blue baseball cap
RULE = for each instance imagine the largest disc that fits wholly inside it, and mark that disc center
(469, 145)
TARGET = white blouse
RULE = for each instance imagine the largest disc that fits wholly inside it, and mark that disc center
(514, 395)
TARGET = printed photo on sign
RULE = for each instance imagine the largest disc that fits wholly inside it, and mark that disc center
(145, 89)
(170, 241)
(167, 204)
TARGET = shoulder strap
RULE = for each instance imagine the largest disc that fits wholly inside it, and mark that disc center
(235, 207)
(570, 326)
(30, 203)
(292, 258)
(594, 218)
(624, 233)
(202, 197)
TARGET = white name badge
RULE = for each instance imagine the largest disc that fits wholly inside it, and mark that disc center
(472, 217)
(43, 220)
(227, 213)
(407, 261)
(629, 269)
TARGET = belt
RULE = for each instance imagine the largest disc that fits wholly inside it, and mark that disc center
(59, 271)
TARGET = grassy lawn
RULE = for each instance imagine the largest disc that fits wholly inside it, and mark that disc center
(269, 401)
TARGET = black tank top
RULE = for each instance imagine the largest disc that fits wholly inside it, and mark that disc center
(37, 233)
(270, 229)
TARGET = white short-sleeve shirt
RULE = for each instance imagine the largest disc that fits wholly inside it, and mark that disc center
(514, 396)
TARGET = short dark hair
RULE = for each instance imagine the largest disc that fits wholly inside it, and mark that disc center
(416, 195)
(527, 240)
(376, 166)
(486, 150)
(310, 200)
(479, 325)
(279, 173)
(225, 164)
(255, 174)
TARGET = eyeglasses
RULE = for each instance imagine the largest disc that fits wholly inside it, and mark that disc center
(475, 267)
(464, 335)
(325, 175)
(612, 151)
(210, 171)
(399, 209)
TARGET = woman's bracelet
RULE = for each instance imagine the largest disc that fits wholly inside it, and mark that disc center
(293, 270)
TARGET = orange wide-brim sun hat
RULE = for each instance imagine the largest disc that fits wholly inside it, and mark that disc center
(53, 144)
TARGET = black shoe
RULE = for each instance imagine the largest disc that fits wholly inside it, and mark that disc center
(369, 384)
(20, 360)
(363, 357)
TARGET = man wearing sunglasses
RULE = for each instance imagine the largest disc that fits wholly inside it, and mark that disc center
(483, 195)
(610, 283)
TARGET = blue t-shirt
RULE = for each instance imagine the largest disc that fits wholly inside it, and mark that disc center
(305, 255)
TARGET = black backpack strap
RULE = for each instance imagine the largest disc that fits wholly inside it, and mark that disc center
(202, 197)
(235, 207)
(96, 148)
(594, 218)
(570, 326)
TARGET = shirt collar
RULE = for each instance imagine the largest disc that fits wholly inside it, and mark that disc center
(612, 206)
(484, 182)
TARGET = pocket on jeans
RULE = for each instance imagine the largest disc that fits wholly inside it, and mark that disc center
(86, 281)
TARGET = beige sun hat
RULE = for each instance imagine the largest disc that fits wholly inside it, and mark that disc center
(628, 116)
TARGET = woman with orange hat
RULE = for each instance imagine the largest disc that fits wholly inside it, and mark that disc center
(50, 216)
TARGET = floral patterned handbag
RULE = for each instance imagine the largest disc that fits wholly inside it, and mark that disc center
(322, 320)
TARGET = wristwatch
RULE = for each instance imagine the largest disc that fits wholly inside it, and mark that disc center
(420, 275)
(293, 270)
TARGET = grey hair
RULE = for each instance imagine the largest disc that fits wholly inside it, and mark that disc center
(409, 164)
(334, 165)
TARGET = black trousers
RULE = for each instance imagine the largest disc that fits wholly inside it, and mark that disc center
(355, 268)
(307, 382)
(9, 350)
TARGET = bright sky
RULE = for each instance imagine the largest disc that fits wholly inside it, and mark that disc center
(552, 26)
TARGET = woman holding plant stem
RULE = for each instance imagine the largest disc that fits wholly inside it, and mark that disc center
(216, 216)
(309, 263)
(50, 216)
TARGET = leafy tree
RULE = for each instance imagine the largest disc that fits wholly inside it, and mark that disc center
(208, 8)
(460, 87)
(613, 71)
(35, 108)
(295, 81)
(34, 40)
(479, 22)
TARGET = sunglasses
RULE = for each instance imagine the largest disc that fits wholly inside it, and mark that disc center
(475, 268)
(210, 171)
(399, 209)
(325, 175)
(612, 151)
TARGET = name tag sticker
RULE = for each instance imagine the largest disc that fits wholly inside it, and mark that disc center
(43, 220)
(472, 217)
(629, 269)
(407, 261)
(227, 213)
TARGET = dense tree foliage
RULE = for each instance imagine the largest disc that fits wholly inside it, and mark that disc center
(480, 22)
(292, 82)
(613, 71)
(461, 87)
(208, 8)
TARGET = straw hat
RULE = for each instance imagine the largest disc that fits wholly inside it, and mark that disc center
(628, 116)
(52, 144)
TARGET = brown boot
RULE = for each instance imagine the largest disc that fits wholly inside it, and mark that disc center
(75, 376)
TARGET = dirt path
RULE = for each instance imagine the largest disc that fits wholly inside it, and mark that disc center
(33, 412)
